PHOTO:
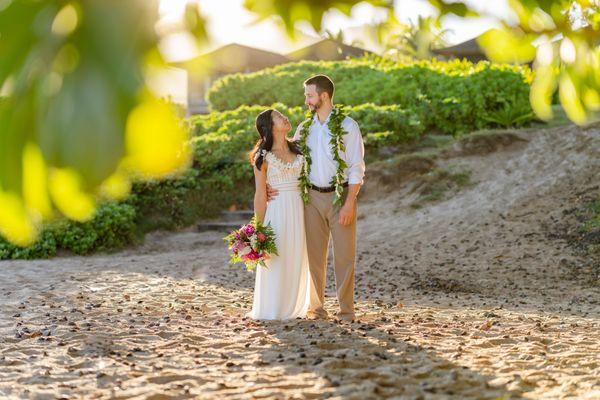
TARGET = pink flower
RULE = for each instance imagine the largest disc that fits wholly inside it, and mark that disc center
(248, 229)
(261, 236)
(253, 255)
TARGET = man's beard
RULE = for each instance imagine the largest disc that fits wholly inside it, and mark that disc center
(316, 106)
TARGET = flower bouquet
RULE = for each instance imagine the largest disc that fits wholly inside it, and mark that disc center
(252, 244)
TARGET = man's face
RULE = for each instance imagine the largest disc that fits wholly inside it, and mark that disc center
(312, 98)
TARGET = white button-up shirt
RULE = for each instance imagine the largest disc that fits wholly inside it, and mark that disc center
(323, 166)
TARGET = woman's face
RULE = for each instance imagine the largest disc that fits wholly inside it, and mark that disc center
(281, 124)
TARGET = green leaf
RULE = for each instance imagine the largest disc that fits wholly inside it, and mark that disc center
(292, 11)
(195, 23)
(508, 45)
(457, 8)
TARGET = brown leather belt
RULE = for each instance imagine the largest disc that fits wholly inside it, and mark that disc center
(326, 189)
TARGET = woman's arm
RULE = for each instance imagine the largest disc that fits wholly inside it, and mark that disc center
(260, 195)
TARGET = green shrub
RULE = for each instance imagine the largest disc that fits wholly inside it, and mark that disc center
(112, 227)
(45, 247)
(222, 174)
(451, 97)
(180, 201)
(386, 125)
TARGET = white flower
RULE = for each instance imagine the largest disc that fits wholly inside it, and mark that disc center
(244, 250)
(253, 241)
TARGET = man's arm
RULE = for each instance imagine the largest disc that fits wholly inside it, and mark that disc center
(355, 152)
(355, 155)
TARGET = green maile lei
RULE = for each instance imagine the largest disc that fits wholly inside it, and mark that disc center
(337, 144)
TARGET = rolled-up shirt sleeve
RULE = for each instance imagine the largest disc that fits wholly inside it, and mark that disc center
(355, 154)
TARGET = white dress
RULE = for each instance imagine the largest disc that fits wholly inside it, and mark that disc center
(281, 290)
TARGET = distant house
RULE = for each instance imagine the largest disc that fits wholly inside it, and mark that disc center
(203, 70)
(469, 50)
(327, 49)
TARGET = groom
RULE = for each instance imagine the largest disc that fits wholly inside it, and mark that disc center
(322, 217)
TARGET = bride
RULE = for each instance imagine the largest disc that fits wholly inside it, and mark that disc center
(281, 290)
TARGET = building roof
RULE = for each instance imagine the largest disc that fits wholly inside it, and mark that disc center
(327, 49)
(232, 58)
(464, 49)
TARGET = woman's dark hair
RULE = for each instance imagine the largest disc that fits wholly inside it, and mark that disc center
(264, 127)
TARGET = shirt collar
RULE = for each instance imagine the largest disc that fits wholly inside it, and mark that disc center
(316, 118)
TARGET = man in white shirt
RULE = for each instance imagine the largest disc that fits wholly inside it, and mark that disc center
(323, 218)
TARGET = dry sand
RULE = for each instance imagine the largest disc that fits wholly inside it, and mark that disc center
(466, 298)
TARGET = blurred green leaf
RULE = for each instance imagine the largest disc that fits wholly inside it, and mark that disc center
(457, 8)
(194, 22)
(566, 53)
(292, 11)
(73, 72)
(507, 45)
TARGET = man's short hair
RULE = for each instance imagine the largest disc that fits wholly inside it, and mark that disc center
(323, 84)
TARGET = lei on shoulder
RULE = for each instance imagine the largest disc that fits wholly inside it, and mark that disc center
(337, 144)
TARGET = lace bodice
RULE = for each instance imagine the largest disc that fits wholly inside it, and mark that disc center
(279, 172)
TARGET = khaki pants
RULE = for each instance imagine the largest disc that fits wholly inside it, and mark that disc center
(322, 220)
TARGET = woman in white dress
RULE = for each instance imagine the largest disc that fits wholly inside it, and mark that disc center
(281, 290)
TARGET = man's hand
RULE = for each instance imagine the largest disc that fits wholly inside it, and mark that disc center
(271, 193)
(347, 213)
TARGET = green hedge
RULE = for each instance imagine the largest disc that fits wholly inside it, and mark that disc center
(451, 97)
(236, 127)
(221, 173)
(222, 140)
(113, 227)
